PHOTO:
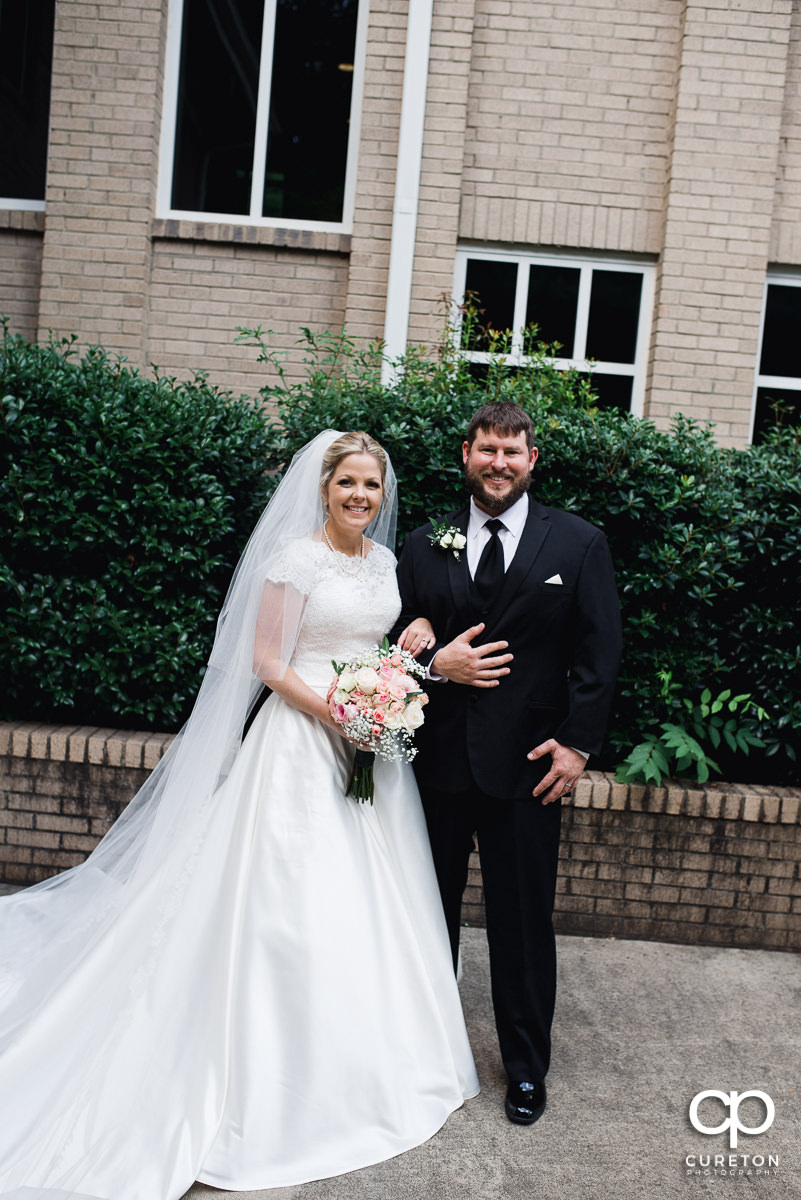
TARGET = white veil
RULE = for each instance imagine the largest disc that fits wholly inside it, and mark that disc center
(105, 967)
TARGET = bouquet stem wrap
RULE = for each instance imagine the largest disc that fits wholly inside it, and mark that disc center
(362, 781)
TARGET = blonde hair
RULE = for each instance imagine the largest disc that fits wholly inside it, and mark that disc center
(357, 442)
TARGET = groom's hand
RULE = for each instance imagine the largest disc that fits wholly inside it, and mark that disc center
(477, 666)
(567, 766)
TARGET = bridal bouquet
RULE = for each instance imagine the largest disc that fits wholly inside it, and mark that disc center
(377, 701)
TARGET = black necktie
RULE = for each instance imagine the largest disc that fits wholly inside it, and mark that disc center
(489, 572)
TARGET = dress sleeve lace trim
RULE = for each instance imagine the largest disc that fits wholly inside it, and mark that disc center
(382, 558)
(298, 565)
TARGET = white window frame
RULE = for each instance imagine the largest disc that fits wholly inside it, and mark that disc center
(514, 356)
(7, 202)
(791, 383)
(169, 115)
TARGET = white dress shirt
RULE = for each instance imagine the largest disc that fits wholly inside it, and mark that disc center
(513, 520)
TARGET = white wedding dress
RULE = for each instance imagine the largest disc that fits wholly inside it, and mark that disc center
(286, 1010)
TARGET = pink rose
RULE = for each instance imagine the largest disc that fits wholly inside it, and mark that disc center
(385, 671)
(379, 716)
(376, 731)
(396, 660)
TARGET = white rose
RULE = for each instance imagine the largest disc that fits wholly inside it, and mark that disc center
(366, 680)
(347, 681)
(394, 720)
(446, 540)
(459, 541)
(413, 715)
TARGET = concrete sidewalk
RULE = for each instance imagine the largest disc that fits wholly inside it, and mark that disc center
(641, 1027)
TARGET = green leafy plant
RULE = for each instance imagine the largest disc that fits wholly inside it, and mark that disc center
(706, 540)
(124, 505)
(723, 719)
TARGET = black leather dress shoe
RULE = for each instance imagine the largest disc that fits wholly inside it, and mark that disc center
(525, 1102)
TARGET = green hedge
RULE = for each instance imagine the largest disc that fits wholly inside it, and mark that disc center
(706, 541)
(124, 504)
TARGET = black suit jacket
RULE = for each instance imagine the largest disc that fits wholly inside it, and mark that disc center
(566, 641)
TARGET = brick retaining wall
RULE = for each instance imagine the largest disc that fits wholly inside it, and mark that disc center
(719, 865)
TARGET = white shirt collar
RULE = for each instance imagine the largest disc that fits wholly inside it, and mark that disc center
(514, 518)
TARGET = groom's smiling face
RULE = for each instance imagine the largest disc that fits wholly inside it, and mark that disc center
(498, 468)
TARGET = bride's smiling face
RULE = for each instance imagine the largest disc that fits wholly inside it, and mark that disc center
(354, 494)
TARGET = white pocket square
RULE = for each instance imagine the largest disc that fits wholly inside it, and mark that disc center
(554, 579)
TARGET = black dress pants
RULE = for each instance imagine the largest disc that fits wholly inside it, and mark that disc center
(518, 843)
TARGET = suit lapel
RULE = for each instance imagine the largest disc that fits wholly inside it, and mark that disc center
(532, 539)
(458, 570)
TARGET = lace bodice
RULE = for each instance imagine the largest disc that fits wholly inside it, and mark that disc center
(344, 612)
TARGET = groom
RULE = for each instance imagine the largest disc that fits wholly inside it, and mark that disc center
(528, 643)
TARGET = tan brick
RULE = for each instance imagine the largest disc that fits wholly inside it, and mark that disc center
(33, 838)
(14, 854)
(56, 822)
(790, 810)
(582, 794)
(56, 860)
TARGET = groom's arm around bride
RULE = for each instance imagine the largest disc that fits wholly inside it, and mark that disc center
(528, 643)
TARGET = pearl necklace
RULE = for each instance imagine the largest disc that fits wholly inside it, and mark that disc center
(340, 554)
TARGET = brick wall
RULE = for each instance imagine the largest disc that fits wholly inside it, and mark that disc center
(715, 866)
(785, 240)
(60, 790)
(105, 115)
(569, 122)
(376, 171)
(719, 211)
(669, 128)
(20, 270)
(202, 289)
(441, 174)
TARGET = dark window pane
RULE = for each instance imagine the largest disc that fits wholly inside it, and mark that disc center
(492, 288)
(781, 340)
(217, 97)
(613, 391)
(551, 305)
(312, 81)
(480, 371)
(776, 406)
(614, 316)
(26, 56)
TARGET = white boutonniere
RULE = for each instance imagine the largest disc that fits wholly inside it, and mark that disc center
(447, 537)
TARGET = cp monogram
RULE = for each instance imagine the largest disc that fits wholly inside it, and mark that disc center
(732, 1100)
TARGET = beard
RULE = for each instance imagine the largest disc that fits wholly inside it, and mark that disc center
(487, 499)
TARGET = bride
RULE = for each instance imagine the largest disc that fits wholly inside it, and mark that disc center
(249, 981)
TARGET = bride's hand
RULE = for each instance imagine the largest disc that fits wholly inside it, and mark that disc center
(340, 729)
(417, 636)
